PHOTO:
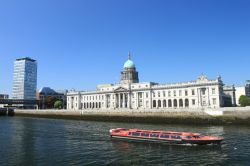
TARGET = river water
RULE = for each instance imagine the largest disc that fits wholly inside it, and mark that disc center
(37, 141)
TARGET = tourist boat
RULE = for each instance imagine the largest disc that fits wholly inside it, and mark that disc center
(164, 136)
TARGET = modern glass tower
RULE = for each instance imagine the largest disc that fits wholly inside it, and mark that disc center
(25, 79)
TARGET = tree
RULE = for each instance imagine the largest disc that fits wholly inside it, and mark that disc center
(244, 101)
(50, 101)
(58, 104)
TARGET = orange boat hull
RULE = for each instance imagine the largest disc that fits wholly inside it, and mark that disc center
(164, 136)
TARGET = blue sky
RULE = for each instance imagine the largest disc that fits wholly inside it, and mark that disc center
(81, 43)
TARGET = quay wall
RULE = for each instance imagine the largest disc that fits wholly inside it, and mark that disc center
(231, 115)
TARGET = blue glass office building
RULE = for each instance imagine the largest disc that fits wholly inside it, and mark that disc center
(25, 79)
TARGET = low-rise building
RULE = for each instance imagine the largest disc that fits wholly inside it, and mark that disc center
(229, 96)
(48, 96)
(132, 94)
(242, 90)
(4, 96)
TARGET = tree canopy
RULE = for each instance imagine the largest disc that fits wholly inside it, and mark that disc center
(58, 104)
(244, 101)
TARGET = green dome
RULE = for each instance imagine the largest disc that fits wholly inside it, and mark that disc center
(129, 64)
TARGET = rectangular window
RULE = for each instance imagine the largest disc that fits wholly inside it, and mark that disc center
(186, 93)
(193, 101)
(136, 134)
(144, 134)
(193, 92)
(153, 94)
(164, 94)
(169, 93)
(154, 135)
(213, 91)
(146, 94)
(174, 93)
(164, 136)
(203, 91)
(214, 101)
(159, 94)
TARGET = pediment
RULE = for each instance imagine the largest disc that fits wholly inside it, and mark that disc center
(120, 89)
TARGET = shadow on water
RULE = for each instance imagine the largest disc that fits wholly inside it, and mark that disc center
(155, 153)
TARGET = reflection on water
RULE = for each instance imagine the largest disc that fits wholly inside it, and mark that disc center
(32, 141)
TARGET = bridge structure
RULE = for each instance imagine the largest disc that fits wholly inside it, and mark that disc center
(18, 102)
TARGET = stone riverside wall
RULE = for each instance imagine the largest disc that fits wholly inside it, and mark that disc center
(233, 115)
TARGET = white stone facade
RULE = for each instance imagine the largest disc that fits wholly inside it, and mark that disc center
(197, 94)
(201, 93)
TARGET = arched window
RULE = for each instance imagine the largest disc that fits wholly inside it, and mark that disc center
(180, 103)
(169, 103)
(175, 103)
(159, 103)
(164, 103)
(186, 103)
(154, 103)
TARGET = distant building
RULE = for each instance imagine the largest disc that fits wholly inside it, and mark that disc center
(48, 96)
(243, 90)
(25, 79)
(4, 96)
(132, 94)
(229, 96)
(247, 86)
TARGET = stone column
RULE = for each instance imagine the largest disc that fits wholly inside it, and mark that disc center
(123, 100)
(79, 101)
(208, 98)
(136, 99)
(150, 99)
(198, 97)
(129, 101)
(118, 100)
(105, 101)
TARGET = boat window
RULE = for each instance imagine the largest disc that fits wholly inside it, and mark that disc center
(178, 137)
(129, 133)
(135, 134)
(144, 134)
(196, 137)
(164, 136)
(173, 136)
(188, 137)
(154, 135)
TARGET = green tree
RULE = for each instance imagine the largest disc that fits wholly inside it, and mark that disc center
(244, 101)
(58, 104)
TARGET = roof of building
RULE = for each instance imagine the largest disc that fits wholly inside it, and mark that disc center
(129, 63)
(25, 58)
(47, 91)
